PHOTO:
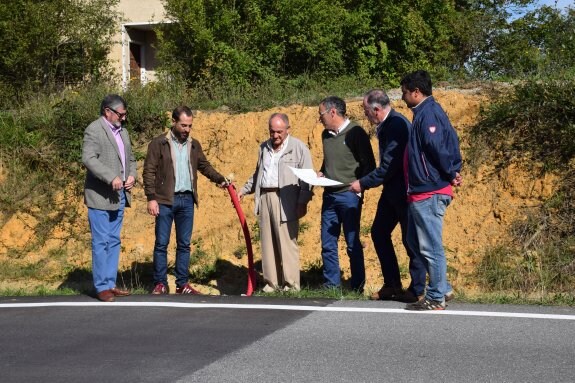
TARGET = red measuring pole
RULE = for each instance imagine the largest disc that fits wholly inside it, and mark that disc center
(242, 217)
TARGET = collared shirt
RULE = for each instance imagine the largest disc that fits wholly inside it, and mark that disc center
(380, 125)
(116, 133)
(341, 128)
(270, 176)
(181, 163)
(414, 107)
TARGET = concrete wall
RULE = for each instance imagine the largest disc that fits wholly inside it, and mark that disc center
(139, 19)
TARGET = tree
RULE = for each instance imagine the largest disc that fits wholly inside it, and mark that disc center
(242, 42)
(539, 44)
(47, 44)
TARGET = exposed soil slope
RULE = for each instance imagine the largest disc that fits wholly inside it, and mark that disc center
(479, 216)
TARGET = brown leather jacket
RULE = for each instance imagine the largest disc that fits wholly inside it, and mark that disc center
(159, 177)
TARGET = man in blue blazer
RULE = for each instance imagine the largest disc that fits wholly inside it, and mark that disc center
(392, 132)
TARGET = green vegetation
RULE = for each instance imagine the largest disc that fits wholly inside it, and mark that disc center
(303, 227)
(533, 126)
(310, 292)
(50, 45)
(257, 41)
(37, 291)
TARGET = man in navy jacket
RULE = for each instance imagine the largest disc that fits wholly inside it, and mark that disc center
(392, 132)
(433, 165)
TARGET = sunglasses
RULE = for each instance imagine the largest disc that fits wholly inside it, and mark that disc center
(120, 115)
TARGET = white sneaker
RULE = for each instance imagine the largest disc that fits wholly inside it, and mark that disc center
(268, 289)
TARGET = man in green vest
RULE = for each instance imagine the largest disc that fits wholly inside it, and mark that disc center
(347, 156)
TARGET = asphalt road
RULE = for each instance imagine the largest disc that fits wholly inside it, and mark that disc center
(257, 339)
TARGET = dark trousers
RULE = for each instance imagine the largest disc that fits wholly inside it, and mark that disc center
(389, 214)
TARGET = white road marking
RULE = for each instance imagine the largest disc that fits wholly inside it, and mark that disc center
(289, 308)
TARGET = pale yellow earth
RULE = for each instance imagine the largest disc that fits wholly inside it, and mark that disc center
(479, 216)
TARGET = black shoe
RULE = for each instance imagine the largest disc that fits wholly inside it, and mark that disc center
(426, 305)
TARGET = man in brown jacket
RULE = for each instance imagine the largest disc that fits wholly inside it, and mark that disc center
(170, 184)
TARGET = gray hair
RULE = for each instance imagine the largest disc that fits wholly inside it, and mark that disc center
(334, 102)
(112, 101)
(377, 97)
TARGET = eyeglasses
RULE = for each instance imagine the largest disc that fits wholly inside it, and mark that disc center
(324, 112)
(120, 115)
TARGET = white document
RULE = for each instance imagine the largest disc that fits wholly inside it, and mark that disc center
(310, 176)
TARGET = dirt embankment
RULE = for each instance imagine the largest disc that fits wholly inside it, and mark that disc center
(479, 216)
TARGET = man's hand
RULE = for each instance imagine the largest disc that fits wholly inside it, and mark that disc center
(457, 181)
(320, 174)
(240, 195)
(153, 208)
(301, 210)
(130, 182)
(117, 184)
(355, 187)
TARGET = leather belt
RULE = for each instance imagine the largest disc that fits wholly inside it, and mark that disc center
(269, 190)
(183, 193)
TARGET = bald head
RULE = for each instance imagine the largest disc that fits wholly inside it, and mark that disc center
(278, 128)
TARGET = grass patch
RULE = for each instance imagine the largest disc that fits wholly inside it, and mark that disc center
(303, 227)
(548, 270)
(303, 90)
(309, 292)
(365, 229)
(41, 291)
(11, 270)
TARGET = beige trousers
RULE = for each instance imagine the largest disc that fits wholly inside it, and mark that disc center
(280, 252)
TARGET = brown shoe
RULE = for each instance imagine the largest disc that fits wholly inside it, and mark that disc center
(120, 293)
(386, 294)
(106, 296)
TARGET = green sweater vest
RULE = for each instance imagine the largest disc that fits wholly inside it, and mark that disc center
(339, 162)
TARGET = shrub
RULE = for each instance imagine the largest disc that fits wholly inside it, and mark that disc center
(533, 127)
(535, 123)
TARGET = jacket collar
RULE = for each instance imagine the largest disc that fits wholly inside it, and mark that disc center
(168, 137)
(422, 105)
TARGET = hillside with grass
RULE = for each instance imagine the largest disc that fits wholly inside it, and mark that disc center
(45, 241)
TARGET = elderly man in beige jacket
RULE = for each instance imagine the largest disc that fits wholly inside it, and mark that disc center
(280, 200)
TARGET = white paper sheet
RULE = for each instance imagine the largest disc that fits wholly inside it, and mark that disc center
(310, 176)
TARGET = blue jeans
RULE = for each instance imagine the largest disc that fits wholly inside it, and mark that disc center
(341, 209)
(389, 213)
(105, 226)
(182, 214)
(424, 236)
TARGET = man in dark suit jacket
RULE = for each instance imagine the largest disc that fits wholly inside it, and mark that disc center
(111, 174)
(392, 132)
